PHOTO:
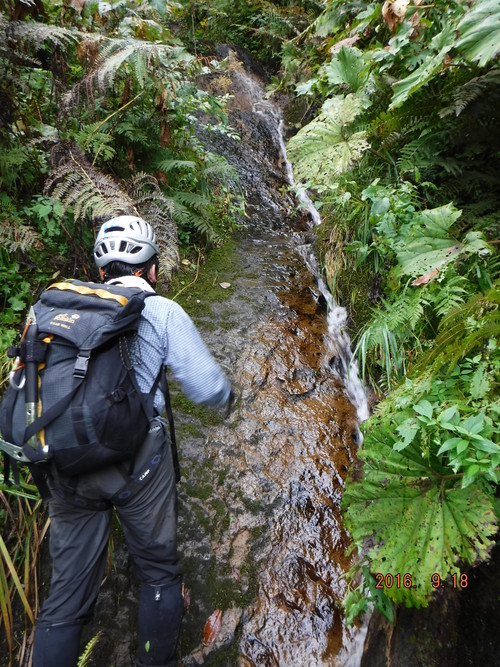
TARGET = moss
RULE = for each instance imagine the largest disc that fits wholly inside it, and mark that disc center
(354, 283)
(220, 508)
(188, 429)
(203, 492)
(211, 582)
(196, 293)
(225, 591)
(202, 519)
(222, 476)
(253, 506)
(182, 404)
(257, 531)
(226, 656)
(354, 291)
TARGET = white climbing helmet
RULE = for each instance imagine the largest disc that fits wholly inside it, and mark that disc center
(126, 238)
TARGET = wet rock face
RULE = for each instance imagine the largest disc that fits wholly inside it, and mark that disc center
(283, 458)
(260, 526)
(289, 443)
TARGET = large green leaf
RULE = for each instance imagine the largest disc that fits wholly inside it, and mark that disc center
(325, 147)
(410, 523)
(427, 244)
(480, 32)
(347, 68)
(431, 66)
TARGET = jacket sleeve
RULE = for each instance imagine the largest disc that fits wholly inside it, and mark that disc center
(191, 363)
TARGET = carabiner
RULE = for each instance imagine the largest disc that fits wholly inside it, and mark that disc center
(17, 367)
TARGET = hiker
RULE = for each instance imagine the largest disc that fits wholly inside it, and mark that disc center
(126, 253)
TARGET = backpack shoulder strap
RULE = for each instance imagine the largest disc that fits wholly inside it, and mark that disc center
(162, 381)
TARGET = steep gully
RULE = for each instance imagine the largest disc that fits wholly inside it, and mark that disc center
(289, 444)
(260, 526)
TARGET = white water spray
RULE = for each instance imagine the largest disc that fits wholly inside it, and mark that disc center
(338, 352)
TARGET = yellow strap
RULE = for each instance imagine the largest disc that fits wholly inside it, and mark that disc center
(88, 291)
(41, 434)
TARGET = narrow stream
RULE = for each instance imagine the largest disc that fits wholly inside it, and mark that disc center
(285, 452)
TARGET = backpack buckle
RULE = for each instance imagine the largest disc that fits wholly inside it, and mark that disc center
(81, 364)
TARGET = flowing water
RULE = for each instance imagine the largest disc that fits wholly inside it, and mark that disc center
(291, 439)
(260, 526)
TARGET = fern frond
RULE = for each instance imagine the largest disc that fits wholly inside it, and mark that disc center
(75, 182)
(110, 59)
(170, 164)
(462, 330)
(33, 35)
(97, 197)
(143, 56)
(12, 161)
(95, 140)
(388, 332)
(134, 128)
(396, 129)
(463, 96)
(192, 200)
(417, 154)
(274, 22)
(414, 304)
(155, 207)
(186, 217)
(17, 237)
(217, 167)
(451, 294)
(83, 660)
(14, 58)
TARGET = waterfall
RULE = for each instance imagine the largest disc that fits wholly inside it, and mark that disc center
(338, 352)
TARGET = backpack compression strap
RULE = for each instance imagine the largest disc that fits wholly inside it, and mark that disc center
(171, 426)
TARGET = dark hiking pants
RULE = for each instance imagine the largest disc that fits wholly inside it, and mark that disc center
(79, 535)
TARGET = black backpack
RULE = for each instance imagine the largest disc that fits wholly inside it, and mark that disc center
(75, 399)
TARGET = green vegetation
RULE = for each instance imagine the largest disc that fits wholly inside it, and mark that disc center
(99, 117)
(401, 153)
(99, 108)
(197, 285)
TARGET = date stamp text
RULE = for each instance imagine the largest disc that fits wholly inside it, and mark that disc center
(458, 581)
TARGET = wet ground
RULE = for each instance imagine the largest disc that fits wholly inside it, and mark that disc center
(273, 542)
